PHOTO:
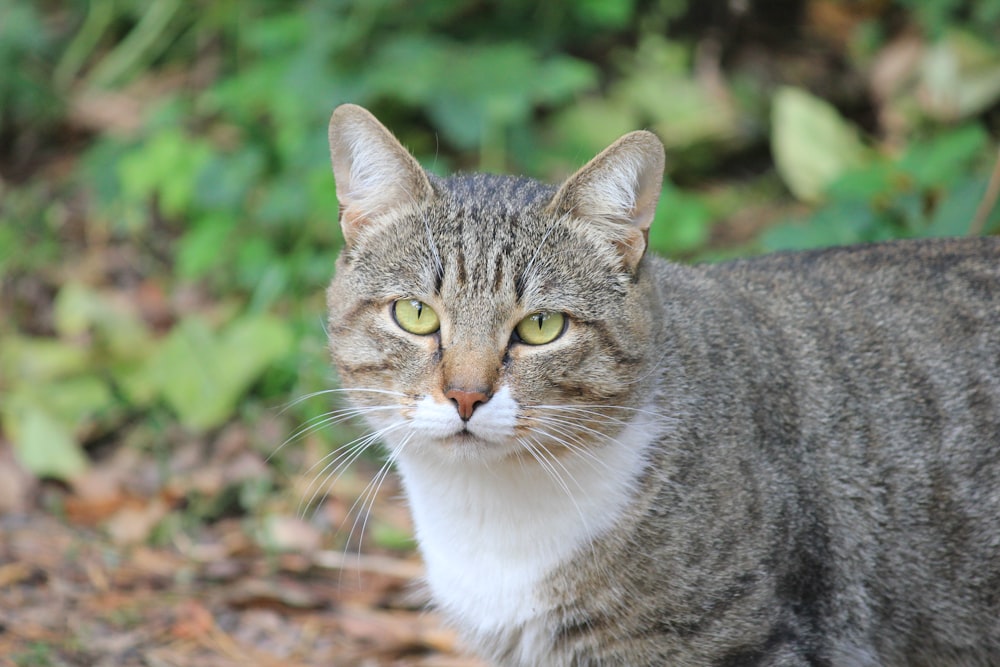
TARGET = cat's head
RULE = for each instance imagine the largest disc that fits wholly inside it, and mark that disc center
(485, 316)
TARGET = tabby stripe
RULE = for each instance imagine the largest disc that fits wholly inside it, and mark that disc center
(608, 341)
(463, 276)
(498, 275)
(365, 368)
(351, 315)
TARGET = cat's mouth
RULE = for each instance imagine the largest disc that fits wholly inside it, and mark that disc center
(466, 437)
(467, 443)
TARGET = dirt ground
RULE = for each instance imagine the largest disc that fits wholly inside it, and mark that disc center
(80, 584)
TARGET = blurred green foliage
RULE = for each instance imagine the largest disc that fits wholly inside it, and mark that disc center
(168, 217)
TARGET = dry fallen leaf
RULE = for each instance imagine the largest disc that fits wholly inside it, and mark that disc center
(132, 525)
(193, 620)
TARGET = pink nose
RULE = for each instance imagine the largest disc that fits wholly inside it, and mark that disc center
(466, 401)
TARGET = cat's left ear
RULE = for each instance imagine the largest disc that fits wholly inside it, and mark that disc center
(375, 175)
(616, 193)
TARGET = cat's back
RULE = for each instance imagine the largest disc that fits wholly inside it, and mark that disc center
(906, 331)
(919, 297)
(901, 268)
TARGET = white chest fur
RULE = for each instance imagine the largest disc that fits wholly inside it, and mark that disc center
(491, 531)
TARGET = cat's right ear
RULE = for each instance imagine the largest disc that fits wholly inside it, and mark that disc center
(375, 175)
(616, 193)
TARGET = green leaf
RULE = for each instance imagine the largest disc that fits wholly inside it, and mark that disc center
(961, 76)
(953, 215)
(560, 78)
(589, 126)
(80, 309)
(202, 248)
(74, 401)
(203, 374)
(606, 15)
(136, 382)
(865, 184)
(34, 360)
(812, 144)
(226, 178)
(843, 223)
(44, 445)
(489, 86)
(682, 223)
(185, 371)
(42, 422)
(684, 111)
(168, 165)
(944, 158)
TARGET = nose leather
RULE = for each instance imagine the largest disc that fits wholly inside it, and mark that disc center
(466, 401)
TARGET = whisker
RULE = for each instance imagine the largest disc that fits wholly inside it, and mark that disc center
(535, 448)
(370, 493)
(592, 416)
(344, 457)
(324, 324)
(578, 423)
(569, 426)
(549, 461)
(542, 454)
(328, 419)
(596, 407)
(573, 443)
(338, 390)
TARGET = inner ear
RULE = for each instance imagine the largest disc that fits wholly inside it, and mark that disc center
(616, 193)
(375, 175)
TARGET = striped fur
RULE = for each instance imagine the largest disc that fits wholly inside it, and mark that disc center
(786, 461)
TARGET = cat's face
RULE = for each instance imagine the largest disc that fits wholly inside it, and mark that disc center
(482, 317)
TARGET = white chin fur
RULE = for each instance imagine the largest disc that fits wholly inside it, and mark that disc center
(491, 528)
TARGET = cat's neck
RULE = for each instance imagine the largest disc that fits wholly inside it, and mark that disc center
(489, 532)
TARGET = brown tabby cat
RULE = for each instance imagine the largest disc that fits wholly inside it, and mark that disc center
(612, 459)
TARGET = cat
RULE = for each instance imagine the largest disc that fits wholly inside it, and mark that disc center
(613, 459)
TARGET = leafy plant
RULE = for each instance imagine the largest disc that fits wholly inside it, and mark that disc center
(933, 189)
(25, 99)
(165, 258)
(937, 16)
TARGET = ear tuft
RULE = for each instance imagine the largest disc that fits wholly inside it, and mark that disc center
(617, 193)
(374, 173)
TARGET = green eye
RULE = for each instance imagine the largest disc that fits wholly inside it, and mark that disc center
(415, 316)
(541, 328)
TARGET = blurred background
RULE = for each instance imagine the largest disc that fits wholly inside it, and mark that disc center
(168, 223)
